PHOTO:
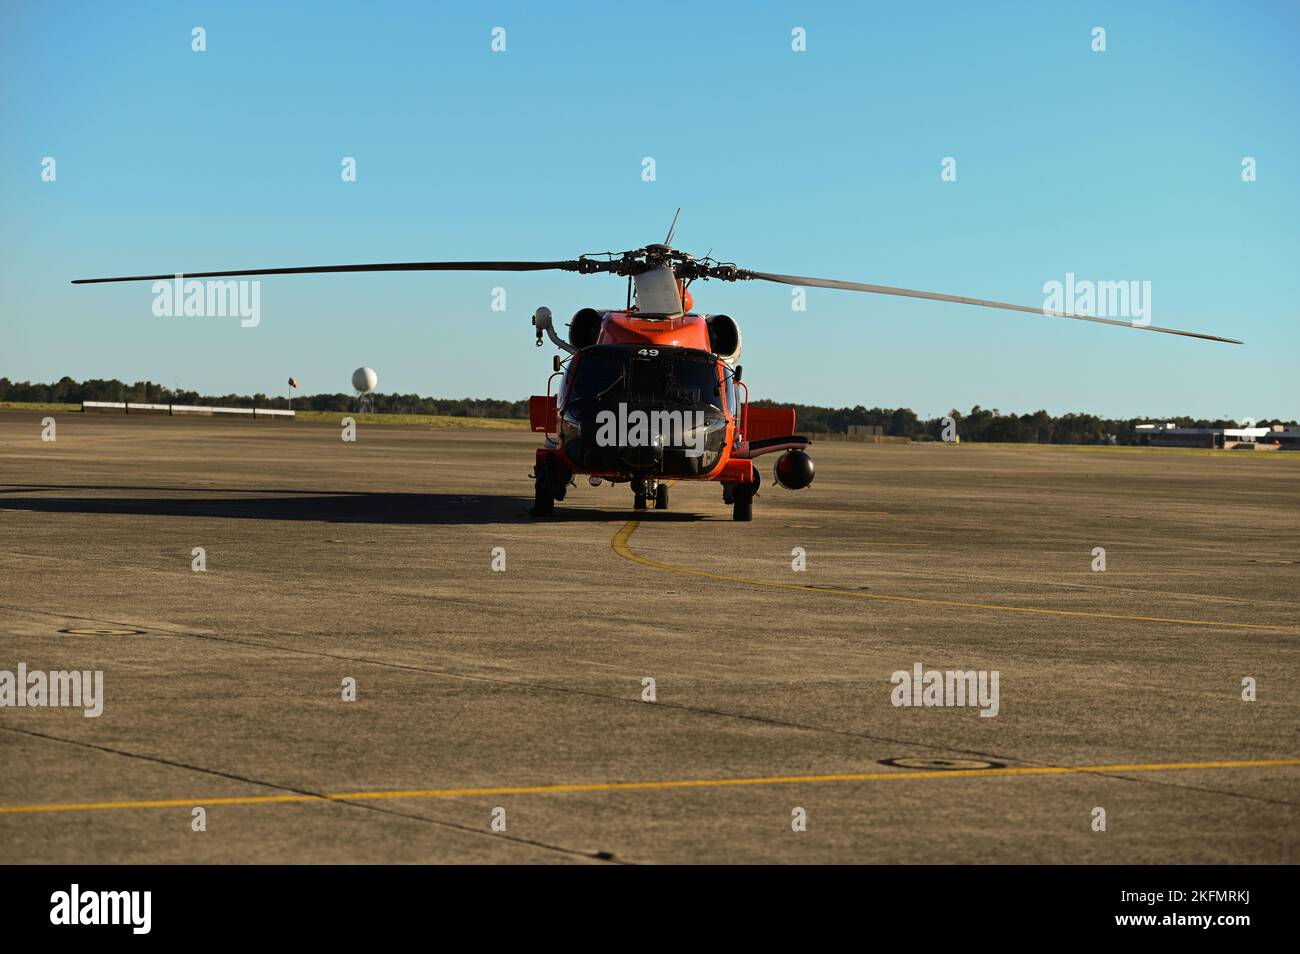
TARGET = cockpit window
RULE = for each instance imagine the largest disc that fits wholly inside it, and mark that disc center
(612, 373)
(729, 379)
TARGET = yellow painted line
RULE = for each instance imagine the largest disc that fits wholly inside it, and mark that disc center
(650, 786)
(624, 549)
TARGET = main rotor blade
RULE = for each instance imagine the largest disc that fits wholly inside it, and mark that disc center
(571, 266)
(936, 296)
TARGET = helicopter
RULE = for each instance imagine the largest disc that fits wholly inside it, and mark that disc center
(652, 392)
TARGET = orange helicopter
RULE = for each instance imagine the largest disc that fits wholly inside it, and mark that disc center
(652, 393)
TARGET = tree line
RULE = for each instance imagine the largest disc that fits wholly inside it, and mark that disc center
(979, 424)
(983, 424)
(68, 391)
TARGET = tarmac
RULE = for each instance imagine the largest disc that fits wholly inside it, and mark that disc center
(653, 687)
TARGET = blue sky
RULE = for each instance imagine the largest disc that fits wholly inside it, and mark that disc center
(1122, 165)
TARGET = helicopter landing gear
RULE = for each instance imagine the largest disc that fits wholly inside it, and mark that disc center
(741, 498)
(548, 486)
(742, 502)
(645, 489)
(543, 500)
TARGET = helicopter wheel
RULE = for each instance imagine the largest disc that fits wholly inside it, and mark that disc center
(661, 497)
(742, 503)
(543, 498)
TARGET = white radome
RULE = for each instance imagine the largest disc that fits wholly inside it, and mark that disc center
(365, 380)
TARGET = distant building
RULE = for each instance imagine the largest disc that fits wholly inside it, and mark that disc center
(866, 434)
(1245, 438)
(1287, 439)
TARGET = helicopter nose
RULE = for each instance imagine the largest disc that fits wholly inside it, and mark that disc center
(642, 458)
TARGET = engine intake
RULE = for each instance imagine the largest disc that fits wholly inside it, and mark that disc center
(724, 337)
(584, 329)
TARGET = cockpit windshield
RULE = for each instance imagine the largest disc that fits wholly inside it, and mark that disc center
(633, 373)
